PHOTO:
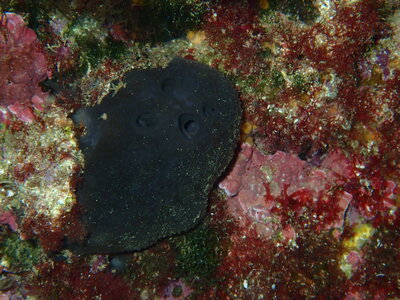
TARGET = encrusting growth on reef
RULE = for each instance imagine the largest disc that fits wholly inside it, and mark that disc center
(314, 186)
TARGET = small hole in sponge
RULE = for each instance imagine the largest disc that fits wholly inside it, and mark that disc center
(189, 125)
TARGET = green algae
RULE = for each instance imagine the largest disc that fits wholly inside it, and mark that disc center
(20, 255)
(277, 80)
(198, 255)
(93, 52)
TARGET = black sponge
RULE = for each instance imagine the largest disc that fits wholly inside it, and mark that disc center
(152, 153)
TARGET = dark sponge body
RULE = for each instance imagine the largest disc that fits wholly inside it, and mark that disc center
(152, 153)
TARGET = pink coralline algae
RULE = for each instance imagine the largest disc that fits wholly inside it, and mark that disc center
(8, 218)
(23, 66)
(176, 290)
(279, 193)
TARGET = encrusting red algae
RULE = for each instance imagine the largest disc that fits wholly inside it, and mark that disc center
(309, 207)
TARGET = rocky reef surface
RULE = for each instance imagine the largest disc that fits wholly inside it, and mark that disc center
(307, 209)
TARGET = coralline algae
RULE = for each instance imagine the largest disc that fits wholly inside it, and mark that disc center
(152, 153)
(23, 65)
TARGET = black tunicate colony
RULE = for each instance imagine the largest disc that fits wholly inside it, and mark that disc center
(152, 154)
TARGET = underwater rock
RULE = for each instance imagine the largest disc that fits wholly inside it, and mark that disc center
(152, 154)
